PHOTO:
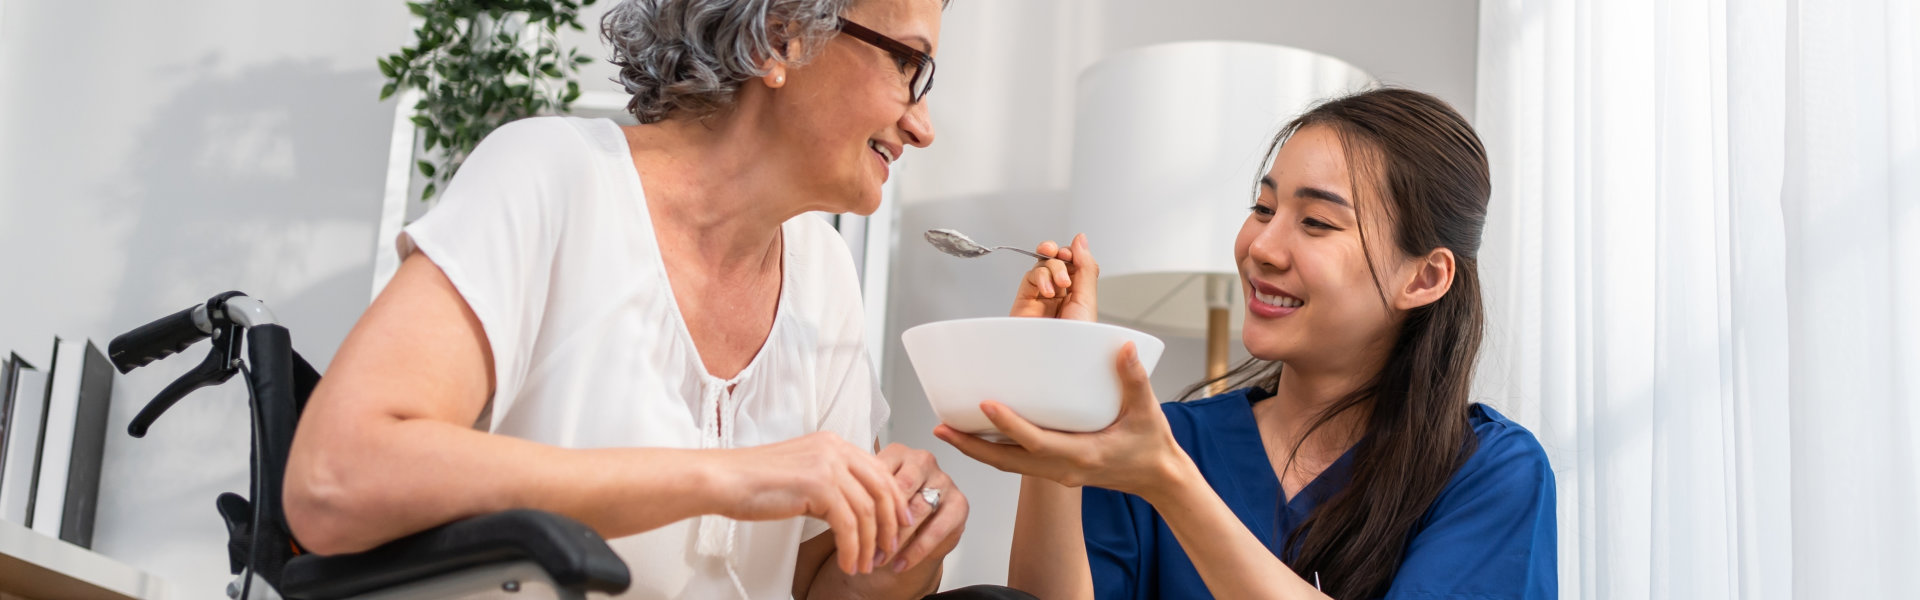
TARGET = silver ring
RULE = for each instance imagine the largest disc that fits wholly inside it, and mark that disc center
(932, 496)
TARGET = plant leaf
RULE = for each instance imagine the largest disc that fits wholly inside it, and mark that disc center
(478, 64)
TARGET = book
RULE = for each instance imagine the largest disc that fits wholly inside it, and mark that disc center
(8, 368)
(72, 442)
(24, 395)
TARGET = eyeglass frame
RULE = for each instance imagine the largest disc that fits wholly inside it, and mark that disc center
(921, 60)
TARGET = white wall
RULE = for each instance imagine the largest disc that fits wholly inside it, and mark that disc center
(155, 153)
(1002, 106)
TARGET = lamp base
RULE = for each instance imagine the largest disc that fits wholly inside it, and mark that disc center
(1217, 335)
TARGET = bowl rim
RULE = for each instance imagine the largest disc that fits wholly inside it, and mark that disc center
(1056, 321)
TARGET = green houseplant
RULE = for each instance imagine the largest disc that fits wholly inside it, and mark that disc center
(478, 64)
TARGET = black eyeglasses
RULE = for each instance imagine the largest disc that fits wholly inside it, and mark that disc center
(921, 80)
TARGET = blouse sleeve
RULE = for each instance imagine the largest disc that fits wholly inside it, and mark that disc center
(492, 233)
(1491, 535)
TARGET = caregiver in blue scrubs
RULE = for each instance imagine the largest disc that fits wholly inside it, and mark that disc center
(1349, 460)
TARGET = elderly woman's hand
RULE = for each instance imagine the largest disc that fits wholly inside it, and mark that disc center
(1137, 454)
(929, 530)
(1061, 288)
(822, 476)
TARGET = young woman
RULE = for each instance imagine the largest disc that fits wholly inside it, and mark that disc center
(1348, 460)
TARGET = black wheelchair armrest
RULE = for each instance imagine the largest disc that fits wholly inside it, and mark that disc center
(570, 552)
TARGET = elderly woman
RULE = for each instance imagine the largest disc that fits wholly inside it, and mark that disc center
(640, 328)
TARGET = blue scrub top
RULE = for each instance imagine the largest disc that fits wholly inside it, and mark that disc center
(1489, 535)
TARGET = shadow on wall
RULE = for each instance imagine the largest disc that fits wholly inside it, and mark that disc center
(265, 180)
(250, 178)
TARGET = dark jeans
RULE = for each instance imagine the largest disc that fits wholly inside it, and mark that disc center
(982, 592)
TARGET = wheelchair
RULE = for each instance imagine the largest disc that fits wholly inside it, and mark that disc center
(516, 553)
(520, 554)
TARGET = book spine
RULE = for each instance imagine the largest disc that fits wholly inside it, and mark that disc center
(56, 441)
(89, 445)
(22, 445)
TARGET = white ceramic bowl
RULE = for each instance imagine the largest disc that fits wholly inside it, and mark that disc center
(1056, 373)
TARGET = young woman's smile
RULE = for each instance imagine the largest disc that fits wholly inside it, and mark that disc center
(1267, 301)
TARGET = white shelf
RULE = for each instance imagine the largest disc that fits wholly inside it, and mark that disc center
(35, 566)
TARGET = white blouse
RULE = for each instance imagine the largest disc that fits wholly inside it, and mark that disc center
(546, 235)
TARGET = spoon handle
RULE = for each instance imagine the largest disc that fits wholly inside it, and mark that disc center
(1029, 253)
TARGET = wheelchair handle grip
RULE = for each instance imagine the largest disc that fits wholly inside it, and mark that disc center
(209, 372)
(159, 339)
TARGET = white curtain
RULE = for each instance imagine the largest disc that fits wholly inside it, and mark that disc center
(1702, 267)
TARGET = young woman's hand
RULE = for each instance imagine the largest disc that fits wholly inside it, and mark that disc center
(1061, 288)
(1137, 454)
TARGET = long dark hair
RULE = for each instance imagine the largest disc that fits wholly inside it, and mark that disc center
(1433, 171)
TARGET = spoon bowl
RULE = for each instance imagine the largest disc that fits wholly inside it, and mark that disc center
(958, 244)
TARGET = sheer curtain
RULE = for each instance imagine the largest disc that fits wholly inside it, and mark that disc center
(1702, 266)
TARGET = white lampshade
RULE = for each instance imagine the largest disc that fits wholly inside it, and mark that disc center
(1169, 142)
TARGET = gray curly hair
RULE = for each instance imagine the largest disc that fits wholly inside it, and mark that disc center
(687, 58)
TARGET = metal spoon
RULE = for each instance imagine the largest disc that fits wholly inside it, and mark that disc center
(958, 244)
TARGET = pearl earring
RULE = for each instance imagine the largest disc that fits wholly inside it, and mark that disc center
(779, 79)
